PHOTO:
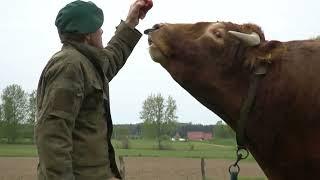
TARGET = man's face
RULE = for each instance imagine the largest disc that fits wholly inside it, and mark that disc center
(95, 39)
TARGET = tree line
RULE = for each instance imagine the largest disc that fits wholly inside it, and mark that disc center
(159, 116)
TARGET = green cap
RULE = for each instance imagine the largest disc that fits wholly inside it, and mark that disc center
(79, 17)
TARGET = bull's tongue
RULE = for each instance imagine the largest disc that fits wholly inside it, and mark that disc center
(148, 31)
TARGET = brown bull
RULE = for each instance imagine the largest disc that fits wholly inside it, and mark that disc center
(214, 62)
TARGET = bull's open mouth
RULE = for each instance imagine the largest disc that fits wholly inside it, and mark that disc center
(148, 32)
(153, 44)
(150, 42)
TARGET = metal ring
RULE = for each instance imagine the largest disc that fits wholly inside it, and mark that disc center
(242, 155)
(236, 166)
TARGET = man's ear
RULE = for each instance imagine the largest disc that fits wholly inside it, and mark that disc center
(87, 38)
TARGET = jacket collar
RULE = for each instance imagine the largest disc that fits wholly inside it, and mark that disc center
(92, 53)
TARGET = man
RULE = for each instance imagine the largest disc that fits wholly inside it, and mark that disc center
(74, 125)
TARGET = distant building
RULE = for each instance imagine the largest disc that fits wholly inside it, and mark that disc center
(199, 136)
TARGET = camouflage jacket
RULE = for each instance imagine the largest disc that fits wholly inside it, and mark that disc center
(74, 126)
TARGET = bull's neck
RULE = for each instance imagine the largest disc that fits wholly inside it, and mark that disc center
(226, 96)
(222, 93)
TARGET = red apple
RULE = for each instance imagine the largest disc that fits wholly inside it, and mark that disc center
(143, 11)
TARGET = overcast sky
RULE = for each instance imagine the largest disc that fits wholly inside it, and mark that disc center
(29, 38)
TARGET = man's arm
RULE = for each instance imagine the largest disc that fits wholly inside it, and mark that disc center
(63, 94)
(119, 48)
(125, 39)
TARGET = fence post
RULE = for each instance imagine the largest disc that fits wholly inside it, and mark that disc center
(122, 168)
(203, 169)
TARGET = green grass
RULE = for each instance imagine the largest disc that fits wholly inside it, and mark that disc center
(240, 178)
(200, 145)
(218, 149)
(17, 150)
(226, 142)
(252, 178)
(176, 153)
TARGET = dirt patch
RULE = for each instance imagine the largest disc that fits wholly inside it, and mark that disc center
(18, 168)
(141, 168)
(184, 169)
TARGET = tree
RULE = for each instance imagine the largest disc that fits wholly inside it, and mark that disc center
(122, 134)
(0, 113)
(28, 128)
(222, 130)
(32, 107)
(14, 109)
(315, 38)
(170, 119)
(1, 123)
(159, 117)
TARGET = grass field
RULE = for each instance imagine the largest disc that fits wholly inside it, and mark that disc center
(17, 150)
(218, 149)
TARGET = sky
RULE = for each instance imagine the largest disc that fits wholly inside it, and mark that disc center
(29, 38)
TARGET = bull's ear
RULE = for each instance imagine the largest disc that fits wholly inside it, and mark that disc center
(267, 51)
(271, 49)
(252, 39)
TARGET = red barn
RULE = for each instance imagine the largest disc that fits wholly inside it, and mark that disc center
(198, 135)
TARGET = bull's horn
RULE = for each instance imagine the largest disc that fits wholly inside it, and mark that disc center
(252, 39)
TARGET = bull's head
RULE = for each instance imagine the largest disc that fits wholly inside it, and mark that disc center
(212, 61)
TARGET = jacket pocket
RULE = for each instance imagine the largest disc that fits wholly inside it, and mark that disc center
(94, 99)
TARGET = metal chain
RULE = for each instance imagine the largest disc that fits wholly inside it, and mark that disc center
(234, 169)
